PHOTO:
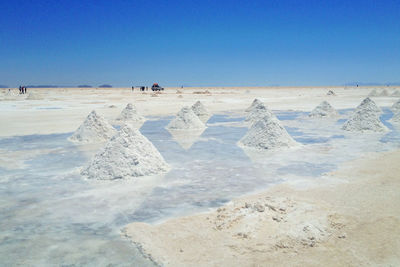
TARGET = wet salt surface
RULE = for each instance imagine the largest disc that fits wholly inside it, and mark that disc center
(49, 215)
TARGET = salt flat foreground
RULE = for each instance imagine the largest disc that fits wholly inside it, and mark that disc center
(354, 222)
(331, 199)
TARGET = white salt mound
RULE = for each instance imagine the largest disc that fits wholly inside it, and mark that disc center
(396, 118)
(199, 109)
(130, 115)
(259, 112)
(365, 118)
(396, 93)
(185, 120)
(373, 93)
(266, 134)
(396, 106)
(255, 103)
(323, 110)
(94, 129)
(384, 93)
(330, 92)
(128, 154)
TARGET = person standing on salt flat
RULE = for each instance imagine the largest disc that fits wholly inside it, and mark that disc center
(129, 115)
(186, 119)
(268, 134)
(323, 110)
(199, 109)
(365, 118)
(255, 103)
(128, 154)
(94, 129)
(258, 112)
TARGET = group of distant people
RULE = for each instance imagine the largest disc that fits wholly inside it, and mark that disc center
(22, 90)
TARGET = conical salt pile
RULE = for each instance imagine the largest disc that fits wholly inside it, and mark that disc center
(396, 118)
(130, 115)
(128, 154)
(259, 112)
(330, 92)
(365, 118)
(384, 93)
(267, 133)
(255, 103)
(323, 110)
(396, 106)
(396, 93)
(373, 93)
(199, 109)
(185, 120)
(94, 129)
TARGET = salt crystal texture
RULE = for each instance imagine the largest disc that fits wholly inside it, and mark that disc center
(94, 129)
(396, 106)
(267, 134)
(186, 119)
(384, 93)
(259, 112)
(365, 118)
(200, 110)
(373, 93)
(323, 110)
(396, 118)
(396, 93)
(128, 154)
(255, 103)
(330, 92)
(130, 115)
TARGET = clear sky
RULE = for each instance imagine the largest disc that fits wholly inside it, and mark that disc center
(199, 43)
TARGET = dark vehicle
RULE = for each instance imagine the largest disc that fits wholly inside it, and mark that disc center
(156, 87)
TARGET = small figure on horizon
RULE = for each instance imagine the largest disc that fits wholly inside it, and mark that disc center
(24, 89)
(20, 89)
(147, 88)
(133, 88)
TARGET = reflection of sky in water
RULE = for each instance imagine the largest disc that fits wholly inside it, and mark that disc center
(49, 215)
(224, 118)
(289, 115)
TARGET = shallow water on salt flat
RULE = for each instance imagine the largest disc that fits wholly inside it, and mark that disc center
(49, 215)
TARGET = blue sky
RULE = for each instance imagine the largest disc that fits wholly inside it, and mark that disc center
(199, 43)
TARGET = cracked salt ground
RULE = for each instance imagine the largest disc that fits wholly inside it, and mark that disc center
(52, 216)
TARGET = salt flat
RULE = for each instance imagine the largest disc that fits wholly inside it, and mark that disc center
(338, 191)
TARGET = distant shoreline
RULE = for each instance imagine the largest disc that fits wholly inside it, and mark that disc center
(215, 87)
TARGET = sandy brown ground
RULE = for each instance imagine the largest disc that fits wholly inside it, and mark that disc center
(60, 110)
(350, 218)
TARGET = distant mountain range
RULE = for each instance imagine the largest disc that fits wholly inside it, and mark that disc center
(62, 86)
(372, 84)
(105, 86)
(3, 86)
